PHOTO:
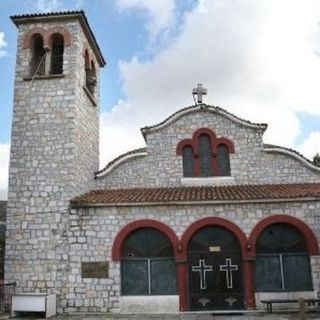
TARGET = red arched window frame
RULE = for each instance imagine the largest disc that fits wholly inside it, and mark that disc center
(194, 143)
(310, 238)
(131, 227)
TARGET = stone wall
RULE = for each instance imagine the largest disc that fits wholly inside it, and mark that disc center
(54, 153)
(249, 164)
(93, 231)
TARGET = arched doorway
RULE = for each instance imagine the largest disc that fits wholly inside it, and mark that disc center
(215, 270)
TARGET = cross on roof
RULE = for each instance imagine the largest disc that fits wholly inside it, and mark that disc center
(199, 92)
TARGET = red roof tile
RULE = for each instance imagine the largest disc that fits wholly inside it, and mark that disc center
(197, 194)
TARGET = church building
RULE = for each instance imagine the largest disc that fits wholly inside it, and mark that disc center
(205, 217)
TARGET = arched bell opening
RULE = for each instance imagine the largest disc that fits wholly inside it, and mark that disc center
(38, 55)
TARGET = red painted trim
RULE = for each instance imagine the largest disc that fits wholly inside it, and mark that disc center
(182, 269)
(311, 240)
(247, 269)
(248, 276)
(27, 39)
(204, 131)
(124, 233)
(46, 35)
(227, 142)
(184, 143)
(194, 143)
(60, 30)
(216, 221)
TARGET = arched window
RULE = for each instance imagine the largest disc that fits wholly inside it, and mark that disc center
(205, 154)
(91, 77)
(188, 161)
(223, 160)
(57, 54)
(147, 265)
(86, 66)
(281, 256)
(38, 55)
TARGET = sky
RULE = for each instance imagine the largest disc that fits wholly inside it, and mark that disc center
(259, 59)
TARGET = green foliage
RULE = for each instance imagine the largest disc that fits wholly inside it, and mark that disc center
(316, 160)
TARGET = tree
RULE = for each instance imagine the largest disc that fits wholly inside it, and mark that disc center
(316, 160)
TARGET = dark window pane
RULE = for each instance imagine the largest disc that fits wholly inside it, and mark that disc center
(280, 238)
(297, 272)
(268, 273)
(213, 236)
(147, 243)
(188, 162)
(163, 276)
(38, 53)
(205, 153)
(57, 54)
(134, 278)
(223, 160)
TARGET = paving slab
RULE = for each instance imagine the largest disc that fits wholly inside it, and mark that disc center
(249, 316)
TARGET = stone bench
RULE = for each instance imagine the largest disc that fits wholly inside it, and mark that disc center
(34, 302)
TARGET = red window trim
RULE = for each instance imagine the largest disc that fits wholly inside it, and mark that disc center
(131, 227)
(310, 238)
(194, 144)
(46, 35)
(247, 248)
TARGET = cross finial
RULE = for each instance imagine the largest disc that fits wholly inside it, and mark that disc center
(199, 92)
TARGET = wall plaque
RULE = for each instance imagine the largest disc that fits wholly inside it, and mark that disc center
(95, 269)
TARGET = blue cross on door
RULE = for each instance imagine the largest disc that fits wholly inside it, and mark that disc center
(202, 268)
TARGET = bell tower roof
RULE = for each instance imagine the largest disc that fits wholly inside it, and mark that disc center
(64, 15)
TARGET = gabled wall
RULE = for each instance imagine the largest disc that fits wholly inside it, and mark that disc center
(250, 163)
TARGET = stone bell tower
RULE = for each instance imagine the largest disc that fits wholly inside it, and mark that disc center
(54, 143)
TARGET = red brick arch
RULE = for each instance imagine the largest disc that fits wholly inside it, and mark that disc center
(26, 44)
(215, 142)
(310, 238)
(46, 35)
(91, 56)
(64, 32)
(128, 229)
